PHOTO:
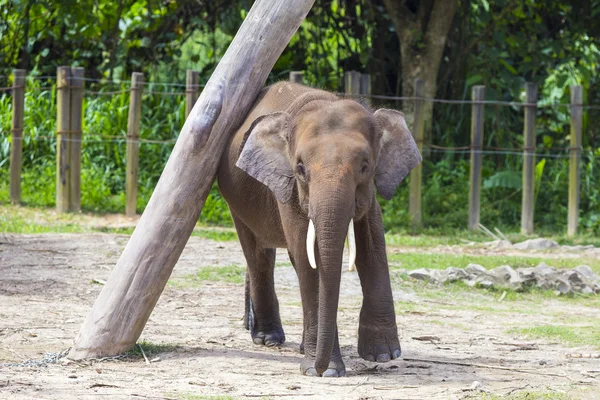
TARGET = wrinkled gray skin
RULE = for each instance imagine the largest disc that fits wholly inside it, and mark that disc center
(303, 154)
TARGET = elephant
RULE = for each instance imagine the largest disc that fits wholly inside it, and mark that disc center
(300, 173)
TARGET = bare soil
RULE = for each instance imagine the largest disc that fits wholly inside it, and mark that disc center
(47, 288)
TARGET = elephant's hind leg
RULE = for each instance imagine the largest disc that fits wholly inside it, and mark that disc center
(262, 306)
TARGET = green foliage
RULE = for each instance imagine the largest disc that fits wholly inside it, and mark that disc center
(497, 43)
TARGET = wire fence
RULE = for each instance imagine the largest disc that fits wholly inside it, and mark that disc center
(147, 90)
(107, 150)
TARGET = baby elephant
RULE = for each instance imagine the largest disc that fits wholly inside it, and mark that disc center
(300, 174)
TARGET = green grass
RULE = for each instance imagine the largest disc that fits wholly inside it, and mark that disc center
(32, 220)
(580, 335)
(412, 261)
(151, 349)
(211, 273)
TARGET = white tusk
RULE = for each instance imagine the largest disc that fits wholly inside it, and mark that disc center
(351, 247)
(311, 237)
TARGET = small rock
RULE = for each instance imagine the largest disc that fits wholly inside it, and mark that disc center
(543, 269)
(544, 283)
(564, 287)
(439, 276)
(421, 274)
(455, 274)
(587, 290)
(505, 274)
(486, 284)
(476, 269)
(536, 244)
(587, 272)
(574, 277)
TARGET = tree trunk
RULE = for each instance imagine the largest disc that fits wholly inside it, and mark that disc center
(422, 34)
(126, 301)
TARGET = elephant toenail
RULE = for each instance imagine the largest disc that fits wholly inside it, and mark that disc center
(258, 340)
(370, 358)
(311, 372)
(396, 354)
(331, 373)
(383, 358)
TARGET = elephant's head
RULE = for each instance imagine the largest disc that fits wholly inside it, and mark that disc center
(332, 154)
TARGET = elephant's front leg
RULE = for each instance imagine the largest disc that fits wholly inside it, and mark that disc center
(309, 292)
(377, 331)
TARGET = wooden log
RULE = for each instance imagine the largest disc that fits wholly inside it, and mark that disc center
(352, 83)
(63, 143)
(133, 145)
(477, 118)
(16, 146)
(75, 136)
(414, 195)
(192, 90)
(365, 84)
(296, 76)
(575, 158)
(527, 209)
(126, 301)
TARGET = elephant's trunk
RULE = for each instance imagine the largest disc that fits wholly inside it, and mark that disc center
(331, 213)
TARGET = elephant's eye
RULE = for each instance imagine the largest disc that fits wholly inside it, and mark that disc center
(364, 169)
(301, 171)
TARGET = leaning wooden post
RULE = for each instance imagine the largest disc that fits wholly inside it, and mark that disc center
(133, 145)
(75, 137)
(365, 84)
(192, 89)
(352, 83)
(296, 76)
(529, 159)
(16, 146)
(126, 301)
(478, 95)
(63, 143)
(575, 158)
(414, 195)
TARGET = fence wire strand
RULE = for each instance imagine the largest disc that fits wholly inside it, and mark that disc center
(543, 153)
(148, 85)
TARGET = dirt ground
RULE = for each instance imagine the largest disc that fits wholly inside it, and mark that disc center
(47, 288)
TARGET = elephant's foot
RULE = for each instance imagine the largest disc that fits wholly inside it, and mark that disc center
(270, 337)
(336, 368)
(378, 343)
(263, 333)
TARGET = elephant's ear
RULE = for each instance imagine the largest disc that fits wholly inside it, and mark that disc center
(264, 154)
(398, 153)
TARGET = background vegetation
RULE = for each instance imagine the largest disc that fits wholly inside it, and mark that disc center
(497, 43)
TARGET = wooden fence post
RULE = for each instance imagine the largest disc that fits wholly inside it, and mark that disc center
(63, 143)
(16, 147)
(133, 134)
(127, 299)
(365, 84)
(352, 83)
(527, 210)
(75, 137)
(414, 196)
(575, 158)
(296, 76)
(477, 119)
(192, 89)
